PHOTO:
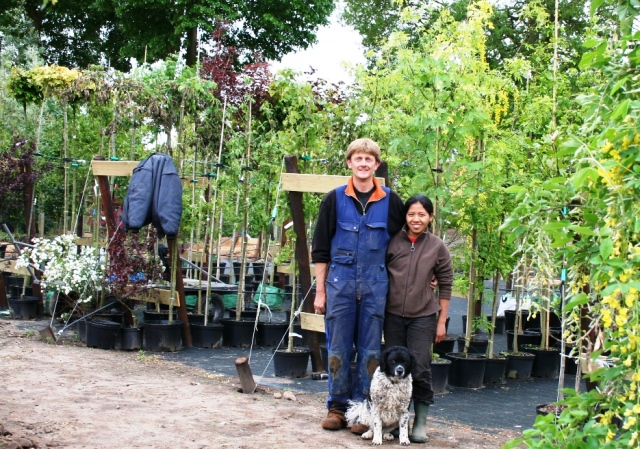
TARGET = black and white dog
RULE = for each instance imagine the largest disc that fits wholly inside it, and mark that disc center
(389, 398)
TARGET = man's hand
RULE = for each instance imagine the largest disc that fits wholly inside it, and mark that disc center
(320, 303)
(433, 283)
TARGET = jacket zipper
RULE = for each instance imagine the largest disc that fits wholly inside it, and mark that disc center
(406, 286)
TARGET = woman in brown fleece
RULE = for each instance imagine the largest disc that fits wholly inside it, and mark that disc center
(415, 317)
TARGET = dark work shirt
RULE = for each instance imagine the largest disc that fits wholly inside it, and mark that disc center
(326, 225)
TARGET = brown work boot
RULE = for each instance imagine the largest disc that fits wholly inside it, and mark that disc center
(335, 420)
(359, 428)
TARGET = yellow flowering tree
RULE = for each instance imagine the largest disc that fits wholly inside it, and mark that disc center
(599, 236)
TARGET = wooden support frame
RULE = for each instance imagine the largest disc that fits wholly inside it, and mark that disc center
(297, 182)
(157, 295)
(288, 269)
(9, 266)
(102, 169)
(113, 168)
(312, 322)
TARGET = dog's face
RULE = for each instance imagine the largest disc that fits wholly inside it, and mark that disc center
(396, 362)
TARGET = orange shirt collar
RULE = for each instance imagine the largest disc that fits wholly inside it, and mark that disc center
(377, 194)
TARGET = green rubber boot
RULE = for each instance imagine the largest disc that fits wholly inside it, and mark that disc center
(419, 430)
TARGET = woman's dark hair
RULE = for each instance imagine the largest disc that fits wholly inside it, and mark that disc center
(426, 203)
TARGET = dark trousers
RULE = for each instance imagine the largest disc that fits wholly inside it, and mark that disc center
(417, 334)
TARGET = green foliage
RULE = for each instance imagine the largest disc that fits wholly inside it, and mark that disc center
(517, 28)
(23, 87)
(591, 222)
(78, 34)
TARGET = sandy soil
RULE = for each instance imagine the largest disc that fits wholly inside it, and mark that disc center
(69, 396)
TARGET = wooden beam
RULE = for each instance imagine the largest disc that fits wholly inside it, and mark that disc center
(312, 322)
(113, 168)
(157, 295)
(297, 182)
(288, 269)
(10, 267)
(84, 241)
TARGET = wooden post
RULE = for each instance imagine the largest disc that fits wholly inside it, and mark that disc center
(383, 172)
(109, 213)
(29, 219)
(107, 203)
(182, 307)
(37, 291)
(302, 258)
(245, 375)
(4, 304)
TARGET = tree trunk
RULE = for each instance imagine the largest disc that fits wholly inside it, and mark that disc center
(192, 47)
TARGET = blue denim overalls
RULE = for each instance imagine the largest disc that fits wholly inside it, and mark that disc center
(356, 287)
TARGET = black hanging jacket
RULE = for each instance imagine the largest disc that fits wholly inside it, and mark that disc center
(154, 196)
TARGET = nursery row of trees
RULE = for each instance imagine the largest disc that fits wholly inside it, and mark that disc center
(528, 147)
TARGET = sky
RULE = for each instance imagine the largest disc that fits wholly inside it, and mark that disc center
(337, 44)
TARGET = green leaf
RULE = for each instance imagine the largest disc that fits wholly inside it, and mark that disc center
(561, 239)
(577, 300)
(555, 225)
(606, 248)
(513, 443)
(582, 230)
(583, 175)
(592, 42)
(590, 217)
(515, 189)
(595, 4)
(618, 85)
(572, 144)
(621, 110)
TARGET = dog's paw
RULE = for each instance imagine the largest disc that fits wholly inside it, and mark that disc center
(404, 442)
(367, 435)
(387, 437)
(377, 441)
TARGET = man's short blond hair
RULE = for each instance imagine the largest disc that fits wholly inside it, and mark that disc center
(364, 145)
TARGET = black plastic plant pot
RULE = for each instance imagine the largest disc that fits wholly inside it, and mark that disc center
(445, 346)
(272, 334)
(102, 334)
(237, 333)
(291, 364)
(519, 365)
(477, 346)
(439, 375)
(24, 308)
(466, 371)
(162, 336)
(131, 338)
(546, 365)
(495, 371)
(209, 336)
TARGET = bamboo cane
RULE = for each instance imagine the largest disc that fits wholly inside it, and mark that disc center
(213, 209)
(245, 223)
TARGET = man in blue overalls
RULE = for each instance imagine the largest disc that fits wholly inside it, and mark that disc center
(350, 241)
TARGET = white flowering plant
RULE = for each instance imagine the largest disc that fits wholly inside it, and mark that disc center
(65, 268)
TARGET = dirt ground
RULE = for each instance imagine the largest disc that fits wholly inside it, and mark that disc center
(69, 396)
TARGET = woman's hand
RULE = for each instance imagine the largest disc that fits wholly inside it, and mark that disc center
(441, 332)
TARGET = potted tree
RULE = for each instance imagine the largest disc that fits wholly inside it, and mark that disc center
(292, 361)
(74, 273)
